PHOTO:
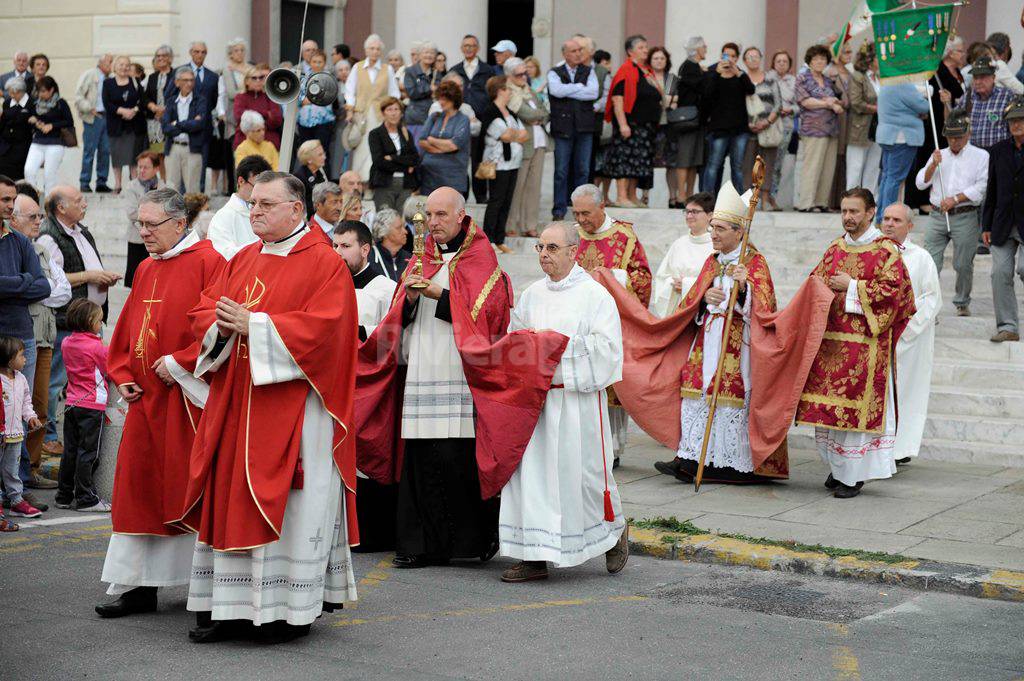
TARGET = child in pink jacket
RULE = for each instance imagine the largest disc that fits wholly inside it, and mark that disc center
(17, 398)
(85, 359)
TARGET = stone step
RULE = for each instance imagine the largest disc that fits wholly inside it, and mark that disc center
(980, 430)
(977, 375)
(972, 402)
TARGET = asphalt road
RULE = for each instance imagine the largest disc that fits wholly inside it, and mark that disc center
(655, 620)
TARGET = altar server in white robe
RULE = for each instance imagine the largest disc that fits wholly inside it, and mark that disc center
(557, 506)
(915, 351)
(682, 264)
(229, 229)
(374, 290)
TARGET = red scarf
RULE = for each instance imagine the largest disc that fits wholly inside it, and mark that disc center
(629, 75)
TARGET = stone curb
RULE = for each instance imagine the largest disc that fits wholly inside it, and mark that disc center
(967, 580)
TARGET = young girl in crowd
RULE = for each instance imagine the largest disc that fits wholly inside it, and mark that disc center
(85, 358)
(17, 410)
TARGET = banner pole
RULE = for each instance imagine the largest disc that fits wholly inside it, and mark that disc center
(938, 168)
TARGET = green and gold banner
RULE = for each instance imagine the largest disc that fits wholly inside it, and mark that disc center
(909, 43)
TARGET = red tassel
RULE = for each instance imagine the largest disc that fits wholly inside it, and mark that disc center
(609, 512)
(298, 477)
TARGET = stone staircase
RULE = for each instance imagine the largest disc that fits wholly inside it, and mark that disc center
(975, 385)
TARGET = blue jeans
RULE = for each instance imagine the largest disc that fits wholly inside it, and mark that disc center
(95, 143)
(572, 168)
(896, 162)
(719, 146)
(58, 379)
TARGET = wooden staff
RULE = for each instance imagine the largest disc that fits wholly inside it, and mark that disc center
(757, 179)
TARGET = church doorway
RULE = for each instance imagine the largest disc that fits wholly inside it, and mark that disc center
(291, 26)
(511, 20)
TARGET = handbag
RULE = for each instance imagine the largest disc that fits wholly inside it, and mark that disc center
(354, 132)
(683, 119)
(68, 137)
(487, 170)
(771, 137)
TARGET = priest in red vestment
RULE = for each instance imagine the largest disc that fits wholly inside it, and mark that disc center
(850, 396)
(605, 242)
(272, 476)
(152, 346)
(446, 402)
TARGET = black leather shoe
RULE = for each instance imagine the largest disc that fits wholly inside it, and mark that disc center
(667, 467)
(411, 562)
(103, 189)
(847, 492)
(615, 463)
(139, 600)
(831, 483)
(899, 462)
(280, 632)
(222, 630)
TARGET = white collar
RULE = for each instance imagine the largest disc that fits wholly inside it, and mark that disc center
(186, 99)
(865, 238)
(74, 229)
(324, 225)
(23, 101)
(367, 64)
(190, 239)
(731, 256)
(285, 246)
(576, 275)
(700, 238)
(471, 62)
(195, 67)
(240, 203)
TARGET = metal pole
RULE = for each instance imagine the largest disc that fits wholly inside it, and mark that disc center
(938, 168)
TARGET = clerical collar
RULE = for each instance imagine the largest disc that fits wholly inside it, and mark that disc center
(865, 238)
(281, 241)
(285, 245)
(454, 244)
(188, 239)
(700, 238)
(366, 275)
(731, 256)
(575, 276)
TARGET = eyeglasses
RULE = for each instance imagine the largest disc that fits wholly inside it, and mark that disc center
(521, 74)
(35, 217)
(139, 225)
(550, 248)
(264, 206)
(263, 77)
(695, 211)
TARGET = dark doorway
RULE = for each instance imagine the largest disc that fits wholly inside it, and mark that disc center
(510, 19)
(291, 26)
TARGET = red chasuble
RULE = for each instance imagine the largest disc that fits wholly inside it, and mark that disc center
(509, 375)
(846, 389)
(152, 461)
(246, 451)
(782, 347)
(618, 249)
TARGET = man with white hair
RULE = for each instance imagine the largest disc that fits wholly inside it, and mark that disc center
(369, 82)
(915, 349)
(309, 48)
(95, 143)
(561, 505)
(207, 87)
(20, 70)
(151, 358)
(572, 90)
(474, 72)
(612, 244)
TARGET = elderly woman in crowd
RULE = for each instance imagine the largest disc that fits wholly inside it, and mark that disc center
(504, 137)
(420, 81)
(863, 154)
(15, 129)
(527, 105)
(145, 180)
(840, 71)
(255, 99)
(782, 66)
(153, 93)
(121, 104)
(765, 125)
(634, 108)
(256, 143)
(340, 157)
(389, 237)
(397, 64)
(312, 157)
(664, 142)
(445, 141)
(393, 150)
(819, 131)
(231, 83)
(689, 142)
(315, 122)
(370, 81)
(725, 106)
(50, 114)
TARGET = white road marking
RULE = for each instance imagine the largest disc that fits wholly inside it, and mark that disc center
(66, 520)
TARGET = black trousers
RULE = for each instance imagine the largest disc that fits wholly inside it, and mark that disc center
(375, 511)
(136, 254)
(476, 153)
(499, 202)
(80, 458)
(440, 512)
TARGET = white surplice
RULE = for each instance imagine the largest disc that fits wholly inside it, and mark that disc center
(729, 444)
(685, 259)
(915, 351)
(552, 508)
(230, 230)
(437, 403)
(288, 579)
(135, 560)
(852, 455)
(374, 300)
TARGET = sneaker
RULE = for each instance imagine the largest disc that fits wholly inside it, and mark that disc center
(1003, 336)
(53, 448)
(33, 500)
(62, 504)
(23, 509)
(39, 482)
(963, 311)
(99, 507)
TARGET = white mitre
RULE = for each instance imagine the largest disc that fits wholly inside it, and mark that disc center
(731, 207)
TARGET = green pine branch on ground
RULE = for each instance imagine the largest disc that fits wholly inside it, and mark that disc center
(678, 528)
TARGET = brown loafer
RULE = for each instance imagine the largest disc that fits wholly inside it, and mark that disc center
(616, 557)
(526, 571)
(1003, 336)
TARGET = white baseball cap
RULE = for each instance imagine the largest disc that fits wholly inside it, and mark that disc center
(505, 46)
